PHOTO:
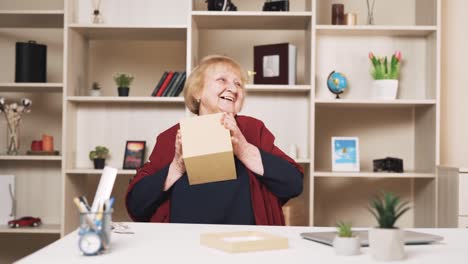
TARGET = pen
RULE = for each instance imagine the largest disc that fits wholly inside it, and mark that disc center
(85, 202)
(83, 210)
(110, 204)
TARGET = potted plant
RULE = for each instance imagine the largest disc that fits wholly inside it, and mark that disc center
(386, 242)
(98, 156)
(385, 74)
(345, 243)
(95, 89)
(123, 81)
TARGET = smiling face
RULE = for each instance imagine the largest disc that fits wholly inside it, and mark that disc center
(223, 90)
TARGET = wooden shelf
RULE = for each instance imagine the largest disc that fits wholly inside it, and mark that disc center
(117, 99)
(43, 229)
(31, 157)
(31, 87)
(31, 18)
(374, 103)
(98, 172)
(364, 174)
(364, 30)
(251, 20)
(130, 32)
(278, 88)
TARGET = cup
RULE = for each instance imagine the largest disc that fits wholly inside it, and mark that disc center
(95, 232)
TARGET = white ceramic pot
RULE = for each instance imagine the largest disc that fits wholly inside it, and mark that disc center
(347, 246)
(387, 244)
(385, 89)
(93, 92)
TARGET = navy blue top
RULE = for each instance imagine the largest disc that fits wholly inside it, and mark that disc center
(224, 202)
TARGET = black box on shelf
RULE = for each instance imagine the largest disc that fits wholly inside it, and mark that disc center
(388, 164)
(276, 5)
(31, 62)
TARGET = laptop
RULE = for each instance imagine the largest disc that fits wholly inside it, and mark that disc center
(411, 237)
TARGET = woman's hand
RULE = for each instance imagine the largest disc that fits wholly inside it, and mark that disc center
(243, 150)
(177, 167)
(239, 143)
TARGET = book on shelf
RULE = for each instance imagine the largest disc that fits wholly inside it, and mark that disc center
(165, 83)
(158, 86)
(179, 85)
(171, 84)
(275, 64)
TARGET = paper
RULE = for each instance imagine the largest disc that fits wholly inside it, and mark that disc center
(7, 183)
(104, 190)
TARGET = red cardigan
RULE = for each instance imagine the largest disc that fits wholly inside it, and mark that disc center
(266, 206)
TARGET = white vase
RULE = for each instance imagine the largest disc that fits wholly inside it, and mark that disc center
(387, 244)
(385, 89)
(94, 92)
(347, 246)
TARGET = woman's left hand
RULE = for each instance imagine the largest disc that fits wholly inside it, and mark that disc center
(239, 143)
(244, 151)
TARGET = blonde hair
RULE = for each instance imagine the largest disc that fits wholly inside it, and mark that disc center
(195, 82)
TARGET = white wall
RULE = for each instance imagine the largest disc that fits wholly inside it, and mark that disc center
(454, 111)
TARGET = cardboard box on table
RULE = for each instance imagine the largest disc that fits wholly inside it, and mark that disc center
(243, 241)
(207, 149)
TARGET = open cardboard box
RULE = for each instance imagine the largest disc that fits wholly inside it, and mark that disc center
(243, 241)
(207, 149)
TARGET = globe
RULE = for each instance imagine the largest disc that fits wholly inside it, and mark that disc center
(337, 83)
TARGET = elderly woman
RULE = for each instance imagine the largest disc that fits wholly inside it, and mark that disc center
(266, 177)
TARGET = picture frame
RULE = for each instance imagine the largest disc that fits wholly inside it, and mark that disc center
(275, 64)
(134, 156)
(345, 154)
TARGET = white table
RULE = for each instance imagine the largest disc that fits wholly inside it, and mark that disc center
(179, 243)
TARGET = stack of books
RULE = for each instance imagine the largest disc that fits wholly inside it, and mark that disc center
(170, 84)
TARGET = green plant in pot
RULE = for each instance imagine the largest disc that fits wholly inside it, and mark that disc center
(385, 73)
(345, 242)
(98, 156)
(386, 242)
(123, 82)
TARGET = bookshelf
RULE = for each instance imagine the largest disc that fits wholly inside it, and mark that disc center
(38, 179)
(148, 38)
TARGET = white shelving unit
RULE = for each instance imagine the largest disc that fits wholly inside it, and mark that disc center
(152, 37)
(37, 178)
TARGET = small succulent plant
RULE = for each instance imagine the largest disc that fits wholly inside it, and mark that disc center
(344, 229)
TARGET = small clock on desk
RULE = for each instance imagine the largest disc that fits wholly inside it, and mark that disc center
(90, 243)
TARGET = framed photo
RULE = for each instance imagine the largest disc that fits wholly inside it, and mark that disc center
(275, 64)
(345, 153)
(134, 154)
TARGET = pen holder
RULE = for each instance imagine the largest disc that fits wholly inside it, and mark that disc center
(94, 232)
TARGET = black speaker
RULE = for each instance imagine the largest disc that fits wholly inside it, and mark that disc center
(31, 62)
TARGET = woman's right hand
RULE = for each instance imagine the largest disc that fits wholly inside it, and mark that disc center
(177, 167)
